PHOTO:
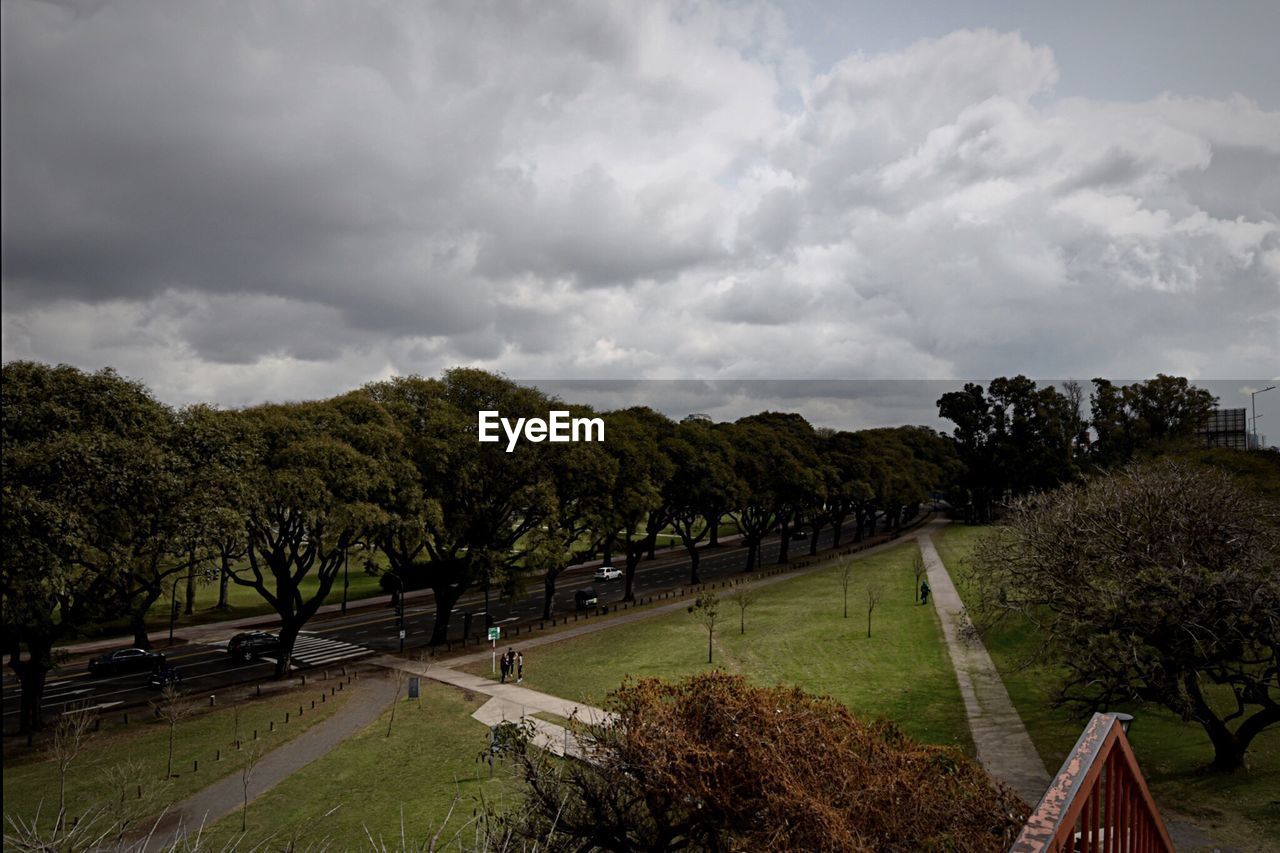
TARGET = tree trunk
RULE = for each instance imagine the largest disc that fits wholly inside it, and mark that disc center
(784, 549)
(837, 532)
(694, 559)
(813, 540)
(31, 676)
(635, 550)
(607, 560)
(138, 624)
(549, 593)
(288, 636)
(446, 597)
(713, 540)
(190, 607)
(224, 581)
(753, 546)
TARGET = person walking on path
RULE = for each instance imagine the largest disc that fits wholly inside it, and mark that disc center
(519, 667)
(924, 592)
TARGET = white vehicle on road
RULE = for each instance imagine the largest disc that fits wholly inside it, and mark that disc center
(608, 573)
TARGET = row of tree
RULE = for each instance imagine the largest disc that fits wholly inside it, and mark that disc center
(113, 499)
(1016, 438)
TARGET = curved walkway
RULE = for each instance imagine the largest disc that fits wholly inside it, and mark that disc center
(223, 797)
(1004, 747)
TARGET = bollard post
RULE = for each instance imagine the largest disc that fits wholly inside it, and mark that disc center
(304, 679)
(344, 669)
(271, 726)
(322, 698)
(126, 718)
(218, 755)
(286, 716)
(259, 689)
(313, 704)
(213, 700)
(195, 765)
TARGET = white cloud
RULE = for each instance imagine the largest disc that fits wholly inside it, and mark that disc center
(243, 202)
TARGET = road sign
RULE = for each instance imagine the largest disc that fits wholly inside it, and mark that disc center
(402, 633)
(495, 634)
(413, 687)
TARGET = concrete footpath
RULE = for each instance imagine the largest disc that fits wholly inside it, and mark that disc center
(513, 703)
(372, 695)
(1004, 747)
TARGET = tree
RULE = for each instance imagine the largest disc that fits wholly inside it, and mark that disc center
(69, 735)
(460, 517)
(919, 569)
(1145, 416)
(706, 609)
(319, 481)
(846, 577)
(744, 597)
(1013, 437)
(874, 593)
(637, 508)
(76, 451)
(701, 485)
(714, 763)
(578, 477)
(1156, 583)
(170, 708)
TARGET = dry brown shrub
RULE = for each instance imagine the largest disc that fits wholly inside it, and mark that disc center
(713, 763)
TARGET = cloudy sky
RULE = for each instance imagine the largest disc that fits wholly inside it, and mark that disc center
(246, 201)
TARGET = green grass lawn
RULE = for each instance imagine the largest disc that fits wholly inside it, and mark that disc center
(376, 781)
(795, 634)
(31, 781)
(1241, 809)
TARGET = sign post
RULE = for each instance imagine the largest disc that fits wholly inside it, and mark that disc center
(494, 633)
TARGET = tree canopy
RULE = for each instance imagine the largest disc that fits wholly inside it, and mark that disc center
(1155, 583)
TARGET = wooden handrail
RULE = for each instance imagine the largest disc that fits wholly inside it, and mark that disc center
(1098, 802)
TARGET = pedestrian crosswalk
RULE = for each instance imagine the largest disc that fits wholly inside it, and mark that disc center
(313, 650)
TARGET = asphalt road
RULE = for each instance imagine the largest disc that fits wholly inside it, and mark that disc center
(206, 667)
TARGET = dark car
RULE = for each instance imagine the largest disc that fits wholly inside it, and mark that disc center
(165, 676)
(252, 645)
(585, 599)
(125, 660)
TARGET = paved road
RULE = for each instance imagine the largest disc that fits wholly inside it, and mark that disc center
(206, 667)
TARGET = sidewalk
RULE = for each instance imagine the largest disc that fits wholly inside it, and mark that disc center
(1004, 747)
(221, 798)
(510, 702)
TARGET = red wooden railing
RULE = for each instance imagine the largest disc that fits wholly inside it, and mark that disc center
(1098, 802)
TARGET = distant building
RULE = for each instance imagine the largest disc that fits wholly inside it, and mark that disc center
(1225, 428)
(696, 416)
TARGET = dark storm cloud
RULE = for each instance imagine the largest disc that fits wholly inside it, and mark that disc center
(246, 200)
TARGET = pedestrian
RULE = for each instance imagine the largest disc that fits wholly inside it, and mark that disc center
(519, 667)
(924, 592)
(505, 666)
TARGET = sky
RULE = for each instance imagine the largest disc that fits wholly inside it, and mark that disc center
(240, 202)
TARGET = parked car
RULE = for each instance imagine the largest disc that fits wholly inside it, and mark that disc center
(585, 599)
(125, 660)
(800, 534)
(165, 676)
(252, 645)
(608, 573)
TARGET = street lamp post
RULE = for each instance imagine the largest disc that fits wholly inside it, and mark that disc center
(400, 612)
(1253, 403)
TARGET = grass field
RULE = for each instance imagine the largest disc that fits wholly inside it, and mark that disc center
(31, 781)
(795, 634)
(374, 781)
(1241, 809)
